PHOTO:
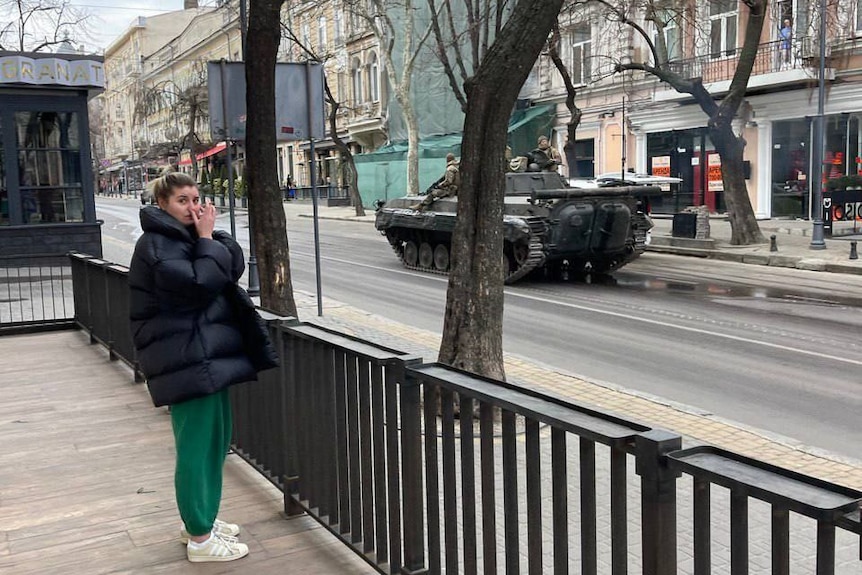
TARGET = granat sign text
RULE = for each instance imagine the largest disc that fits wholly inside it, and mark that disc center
(52, 71)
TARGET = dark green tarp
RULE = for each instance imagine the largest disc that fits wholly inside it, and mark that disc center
(383, 173)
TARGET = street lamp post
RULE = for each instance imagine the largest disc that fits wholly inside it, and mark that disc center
(817, 242)
(253, 279)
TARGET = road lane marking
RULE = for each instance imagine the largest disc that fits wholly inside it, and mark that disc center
(649, 321)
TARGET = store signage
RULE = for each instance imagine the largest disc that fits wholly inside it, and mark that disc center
(713, 173)
(661, 166)
(845, 206)
(51, 71)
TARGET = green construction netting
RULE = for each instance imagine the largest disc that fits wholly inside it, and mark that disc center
(383, 173)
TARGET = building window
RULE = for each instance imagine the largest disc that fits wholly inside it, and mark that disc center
(306, 36)
(581, 52)
(859, 14)
(337, 25)
(321, 33)
(374, 78)
(672, 37)
(356, 75)
(49, 165)
(723, 17)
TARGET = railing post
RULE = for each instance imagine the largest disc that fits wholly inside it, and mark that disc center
(658, 501)
(411, 473)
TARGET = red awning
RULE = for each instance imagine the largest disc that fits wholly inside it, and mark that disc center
(214, 150)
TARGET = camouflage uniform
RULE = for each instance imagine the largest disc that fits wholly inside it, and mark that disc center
(445, 189)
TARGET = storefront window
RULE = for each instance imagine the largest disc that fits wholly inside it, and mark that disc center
(585, 154)
(686, 154)
(49, 167)
(790, 168)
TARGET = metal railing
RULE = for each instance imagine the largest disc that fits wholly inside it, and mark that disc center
(771, 57)
(324, 192)
(35, 293)
(373, 444)
(101, 296)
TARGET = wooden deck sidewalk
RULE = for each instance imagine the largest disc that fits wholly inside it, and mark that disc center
(86, 477)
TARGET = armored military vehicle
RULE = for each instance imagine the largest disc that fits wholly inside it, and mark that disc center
(547, 224)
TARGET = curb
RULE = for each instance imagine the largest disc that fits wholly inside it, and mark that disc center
(782, 261)
(339, 218)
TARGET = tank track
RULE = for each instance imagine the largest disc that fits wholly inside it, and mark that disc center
(639, 222)
(534, 260)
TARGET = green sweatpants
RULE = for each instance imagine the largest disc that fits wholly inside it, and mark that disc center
(202, 432)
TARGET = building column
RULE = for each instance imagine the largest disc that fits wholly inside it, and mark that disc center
(763, 209)
(640, 151)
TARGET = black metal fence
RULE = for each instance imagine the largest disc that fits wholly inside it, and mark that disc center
(329, 195)
(35, 293)
(101, 297)
(421, 468)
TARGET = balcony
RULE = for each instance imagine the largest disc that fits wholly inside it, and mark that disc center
(774, 67)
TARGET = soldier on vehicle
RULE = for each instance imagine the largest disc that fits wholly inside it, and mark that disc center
(545, 157)
(445, 187)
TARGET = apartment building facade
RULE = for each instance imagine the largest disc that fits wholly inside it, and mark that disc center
(633, 121)
(336, 35)
(123, 69)
(174, 125)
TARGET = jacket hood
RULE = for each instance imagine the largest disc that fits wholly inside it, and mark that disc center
(156, 220)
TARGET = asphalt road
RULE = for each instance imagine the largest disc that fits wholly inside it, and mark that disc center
(777, 349)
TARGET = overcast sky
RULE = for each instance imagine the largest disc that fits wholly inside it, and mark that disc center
(112, 17)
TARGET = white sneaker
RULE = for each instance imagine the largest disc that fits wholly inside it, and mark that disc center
(219, 526)
(217, 548)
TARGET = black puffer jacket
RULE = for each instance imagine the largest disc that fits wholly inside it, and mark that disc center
(184, 328)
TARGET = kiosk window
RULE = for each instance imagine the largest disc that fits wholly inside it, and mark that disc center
(49, 167)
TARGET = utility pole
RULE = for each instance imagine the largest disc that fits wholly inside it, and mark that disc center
(623, 132)
(817, 242)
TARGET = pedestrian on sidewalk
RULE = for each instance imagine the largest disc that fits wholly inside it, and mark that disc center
(196, 333)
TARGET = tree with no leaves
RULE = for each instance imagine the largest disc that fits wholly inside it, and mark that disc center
(184, 101)
(575, 114)
(36, 25)
(473, 325)
(463, 31)
(264, 195)
(348, 164)
(729, 145)
(378, 15)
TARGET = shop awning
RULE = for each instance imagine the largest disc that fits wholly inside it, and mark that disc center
(212, 151)
(221, 146)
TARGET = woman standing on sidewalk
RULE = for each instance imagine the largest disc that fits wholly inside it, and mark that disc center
(188, 330)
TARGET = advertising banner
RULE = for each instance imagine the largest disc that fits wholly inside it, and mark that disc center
(661, 166)
(713, 173)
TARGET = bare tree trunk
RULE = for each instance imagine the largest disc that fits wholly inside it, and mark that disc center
(264, 196)
(473, 325)
(730, 147)
(569, 148)
(347, 163)
(412, 146)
